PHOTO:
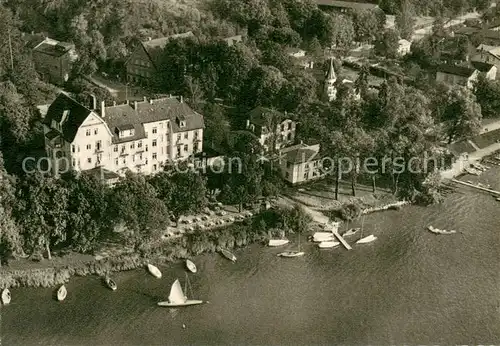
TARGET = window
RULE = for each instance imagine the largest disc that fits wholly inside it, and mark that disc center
(139, 145)
(146, 147)
(98, 145)
(155, 130)
(289, 136)
(282, 127)
(116, 162)
(186, 135)
(115, 149)
(154, 143)
(305, 175)
(140, 156)
(88, 132)
(123, 148)
(78, 148)
(288, 165)
(154, 156)
(185, 147)
(289, 125)
(72, 148)
(196, 147)
(89, 160)
(132, 146)
(154, 167)
(178, 151)
(124, 160)
(287, 175)
(74, 162)
(95, 131)
(89, 146)
(315, 164)
(179, 137)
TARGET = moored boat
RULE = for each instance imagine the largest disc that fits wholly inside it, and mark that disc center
(328, 244)
(62, 293)
(153, 270)
(291, 254)
(278, 242)
(191, 266)
(367, 239)
(6, 297)
(110, 283)
(228, 255)
(177, 298)
(350, 232)
(440, 231)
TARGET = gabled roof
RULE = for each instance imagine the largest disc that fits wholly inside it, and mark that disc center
(56, 50)
(330, 74)
(347, 4)
(459, 148)
(258, 115)
(468, 31)
(481, 66)
(75, 115)
(456, 70)
(300, 153)
(155, 47)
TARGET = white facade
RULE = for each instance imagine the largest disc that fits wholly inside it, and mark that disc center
(143, 147)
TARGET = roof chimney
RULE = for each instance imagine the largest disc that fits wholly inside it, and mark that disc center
(93, 103)
(103, 111)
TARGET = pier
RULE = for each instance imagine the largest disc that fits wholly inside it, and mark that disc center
(476, 187)
(341, 239)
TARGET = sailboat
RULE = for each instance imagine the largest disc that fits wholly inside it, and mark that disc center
(351, 231)
(328, 244)
(278, 242)
(367, 239)
(297, 253)
(177, 298)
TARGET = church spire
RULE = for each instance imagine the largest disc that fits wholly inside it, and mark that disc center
(330, 75)
(329, 89)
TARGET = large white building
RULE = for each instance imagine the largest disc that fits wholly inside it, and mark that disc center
(140, 136)
(262, 119)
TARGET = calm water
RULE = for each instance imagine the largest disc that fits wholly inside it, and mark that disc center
(409, 286)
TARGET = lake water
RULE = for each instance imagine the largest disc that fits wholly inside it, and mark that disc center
(408, 287)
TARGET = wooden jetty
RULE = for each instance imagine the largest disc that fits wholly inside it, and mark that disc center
(476, 187)
(335, 231)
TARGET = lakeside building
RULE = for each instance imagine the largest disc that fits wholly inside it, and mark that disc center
(144, 60)
(140, 137)
(300, 163)
(53, 59)
(262, 119)
(346, 6)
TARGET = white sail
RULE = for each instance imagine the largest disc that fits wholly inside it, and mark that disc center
(176, 295)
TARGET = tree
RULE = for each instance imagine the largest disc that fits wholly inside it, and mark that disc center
(462, 115)
(387, 44)
(366, 25)
(404, 20)
(217, 125)
(43, 205)
(134, 204)
(262, 87)
(343, 31)
(488, 96)
(188, 193)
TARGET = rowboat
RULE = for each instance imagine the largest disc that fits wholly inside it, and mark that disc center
(177, 298)
(328, 244)
(278, 242)
(291, 254)
(228, 255)
(191, 266)
(153, 270)
(367, 239)
(440, 231)
(62, 293)
(110, 283)
(350, 232)
(6, 297)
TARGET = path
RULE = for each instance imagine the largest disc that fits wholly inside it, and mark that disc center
(420, 33)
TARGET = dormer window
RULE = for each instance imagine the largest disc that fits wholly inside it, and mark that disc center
(125, 131)
(182, 123)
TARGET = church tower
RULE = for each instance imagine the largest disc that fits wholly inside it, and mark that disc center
(329, 90)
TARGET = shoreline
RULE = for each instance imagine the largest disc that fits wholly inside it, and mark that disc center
(177, 249)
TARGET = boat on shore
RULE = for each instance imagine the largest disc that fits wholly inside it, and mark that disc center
(229, 255)
(191, 266)
(110, 283)
(278, 242)
(498, 199)
(6, 296)
(328, 244)
(323, 236)
(62, 292)
(177, 298)
(440, 231)
(153, 270)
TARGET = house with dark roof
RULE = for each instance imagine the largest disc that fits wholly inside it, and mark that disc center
(300, 163)
(53, 59)
(489, 37)
(271, 126)
(140, 137)
(145, 59)
(464, 75)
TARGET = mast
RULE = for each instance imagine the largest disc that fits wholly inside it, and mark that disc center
(362, 224)
(299, 240)
(10, 50)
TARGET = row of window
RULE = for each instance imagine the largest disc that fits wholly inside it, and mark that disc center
(88, 132)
